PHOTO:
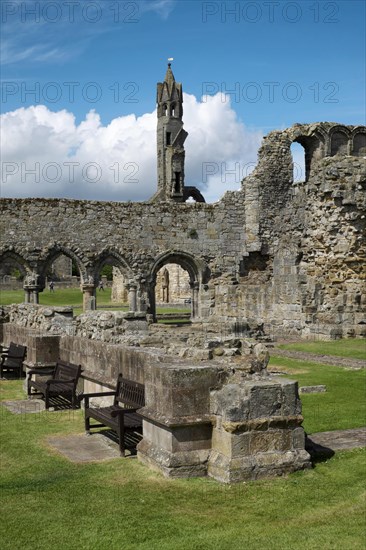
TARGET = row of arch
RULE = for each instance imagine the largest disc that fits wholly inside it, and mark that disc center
(141, 285)
(343, 141)
(339, 140)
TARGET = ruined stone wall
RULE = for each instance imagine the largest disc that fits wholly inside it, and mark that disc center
(286, 256)
(307, 258)
(135, 234)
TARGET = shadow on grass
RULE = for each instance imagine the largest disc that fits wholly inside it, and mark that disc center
(318, 453)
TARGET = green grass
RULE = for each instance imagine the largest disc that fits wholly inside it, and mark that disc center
(343, 405)
(74, 297)
(353, 348)
(49, 502)
(61, 297)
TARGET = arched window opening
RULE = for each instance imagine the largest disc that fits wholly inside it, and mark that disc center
(172, 110)
(119, 293)
(176, 182)
(173, 295)
(62, 283)
(298, 161)
(111, 291)
(12, 273)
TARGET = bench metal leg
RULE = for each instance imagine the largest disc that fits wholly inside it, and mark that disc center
(47, 400)
(87, 423)
(121, 435)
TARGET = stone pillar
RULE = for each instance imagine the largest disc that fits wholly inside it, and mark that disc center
(132, 296)
(195, 300)
(43, 352)
(176, 419)
(89, 301)
(32, 288)
(257, 431)
(27, 296)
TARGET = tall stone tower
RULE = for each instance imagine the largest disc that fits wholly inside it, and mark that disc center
(170, 139)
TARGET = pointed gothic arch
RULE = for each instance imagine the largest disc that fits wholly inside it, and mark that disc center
(196, 272)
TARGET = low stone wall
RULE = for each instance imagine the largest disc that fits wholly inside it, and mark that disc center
(44, 319)
(227, 419)
(107, 326)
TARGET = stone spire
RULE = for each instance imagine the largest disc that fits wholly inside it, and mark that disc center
(170, 139)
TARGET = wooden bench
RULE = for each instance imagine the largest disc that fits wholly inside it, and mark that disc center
(63, 382)
(122, 415)
(12, 359)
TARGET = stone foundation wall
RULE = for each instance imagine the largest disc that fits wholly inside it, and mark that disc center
(199, 419)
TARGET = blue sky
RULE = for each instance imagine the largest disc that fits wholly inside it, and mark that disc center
(278, 62)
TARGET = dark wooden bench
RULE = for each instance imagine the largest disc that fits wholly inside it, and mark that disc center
(62, 382)
(122, 415)
(12, 359)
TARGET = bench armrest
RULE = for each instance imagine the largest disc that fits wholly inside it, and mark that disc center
(122, 411)
(99, 394)
(46, 371)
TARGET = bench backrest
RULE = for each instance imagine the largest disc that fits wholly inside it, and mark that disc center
(16, 354)
(15, 350)
(129, 393)
(67, 371)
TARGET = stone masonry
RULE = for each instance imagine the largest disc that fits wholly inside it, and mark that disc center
(289, 256)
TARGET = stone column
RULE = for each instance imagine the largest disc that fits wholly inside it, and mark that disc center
(32, 288)
(195, 300)
(89, 301)
(132, 295)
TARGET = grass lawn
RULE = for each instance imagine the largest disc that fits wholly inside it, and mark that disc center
(354, 348)
(49, 502)
(343, 405)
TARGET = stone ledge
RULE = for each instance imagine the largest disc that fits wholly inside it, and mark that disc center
(263, 424)
(171, 422)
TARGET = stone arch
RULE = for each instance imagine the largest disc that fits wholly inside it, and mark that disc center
(10, 255)
(339, 137)
(109, 254)
(190, 191)
(122, 272)
(57, 250)
(359, 141)
(197, 272)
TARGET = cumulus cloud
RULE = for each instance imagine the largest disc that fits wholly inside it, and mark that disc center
(46, 154)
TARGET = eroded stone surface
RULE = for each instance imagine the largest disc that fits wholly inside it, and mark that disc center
(289, 258)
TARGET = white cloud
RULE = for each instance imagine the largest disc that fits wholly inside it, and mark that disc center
(46, 154)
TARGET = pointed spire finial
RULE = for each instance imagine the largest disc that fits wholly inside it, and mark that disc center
(169, 77)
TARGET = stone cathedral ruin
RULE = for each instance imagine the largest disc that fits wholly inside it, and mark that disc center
(274, 259)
